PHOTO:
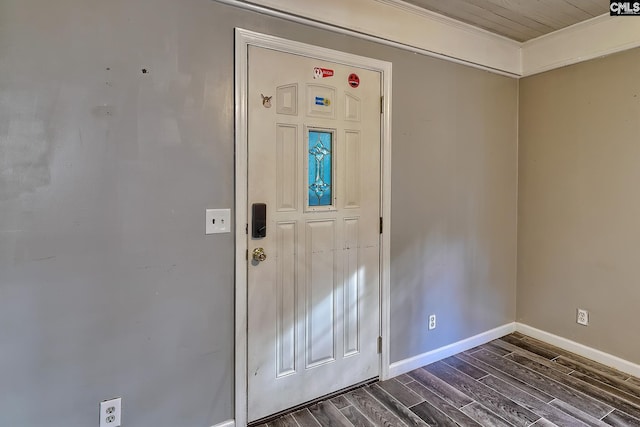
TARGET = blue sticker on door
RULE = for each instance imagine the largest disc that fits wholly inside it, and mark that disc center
(322, 101)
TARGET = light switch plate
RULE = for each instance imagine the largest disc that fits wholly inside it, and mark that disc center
(218, 221)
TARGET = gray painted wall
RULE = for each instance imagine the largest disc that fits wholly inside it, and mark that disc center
(579, 203)
(454, 184)
(108, 285)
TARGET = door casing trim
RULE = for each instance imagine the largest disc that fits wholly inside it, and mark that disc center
(244, 39)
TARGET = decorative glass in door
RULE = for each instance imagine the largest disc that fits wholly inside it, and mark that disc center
(320, 169)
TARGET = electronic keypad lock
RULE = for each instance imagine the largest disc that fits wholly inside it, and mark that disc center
(258, 220)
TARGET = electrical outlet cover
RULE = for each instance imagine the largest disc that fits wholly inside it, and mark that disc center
(582, 317)
(432, 321)
(111, 412)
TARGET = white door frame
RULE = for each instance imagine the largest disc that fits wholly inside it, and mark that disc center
(244, 39)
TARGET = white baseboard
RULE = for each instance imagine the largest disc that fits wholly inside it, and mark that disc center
(228, 423)
(581, 349)
(406, 365)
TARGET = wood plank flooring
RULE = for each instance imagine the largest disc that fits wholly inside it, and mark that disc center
(513, 381)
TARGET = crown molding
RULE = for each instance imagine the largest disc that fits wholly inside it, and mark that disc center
(400, 24)
(407, 26)
(599, 36)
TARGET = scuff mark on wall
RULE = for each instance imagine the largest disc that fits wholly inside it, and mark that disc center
(25, 148)
(45, 258)
(100, 111)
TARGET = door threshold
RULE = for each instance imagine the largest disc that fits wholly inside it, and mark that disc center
(296, 408)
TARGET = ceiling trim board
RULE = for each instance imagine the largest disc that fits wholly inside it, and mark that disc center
(417, 30)
(409, 27)
(596, 37)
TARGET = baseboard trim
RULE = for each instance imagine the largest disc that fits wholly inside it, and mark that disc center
(228, 423)
(406, 365)
(581, 349)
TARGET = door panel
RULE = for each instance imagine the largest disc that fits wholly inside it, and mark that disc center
(320, 292)
(314, 160)
(352, 286)
(287, 162)
(352, 170)
(286, 298)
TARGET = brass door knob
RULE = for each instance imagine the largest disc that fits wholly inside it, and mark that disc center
(259, 255)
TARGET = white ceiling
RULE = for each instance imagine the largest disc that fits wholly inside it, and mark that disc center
(520, 20)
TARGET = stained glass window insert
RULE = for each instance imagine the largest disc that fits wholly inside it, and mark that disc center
(320, 168)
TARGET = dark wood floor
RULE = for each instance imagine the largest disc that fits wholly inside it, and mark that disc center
(513, 381)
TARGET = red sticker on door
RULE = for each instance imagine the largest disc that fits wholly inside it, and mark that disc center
(354, 80)
(320, 73)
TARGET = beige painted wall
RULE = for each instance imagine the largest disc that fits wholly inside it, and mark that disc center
(579, 202)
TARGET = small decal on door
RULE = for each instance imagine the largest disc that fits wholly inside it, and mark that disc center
(354, 80)
(320, 73)
(322, 101)
(266, 101)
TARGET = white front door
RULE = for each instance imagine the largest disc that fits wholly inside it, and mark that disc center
(314, 166)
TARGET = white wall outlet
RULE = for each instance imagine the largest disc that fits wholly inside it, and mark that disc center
(111, 412)
(218, 221)
(432, 322)
(582, 317)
